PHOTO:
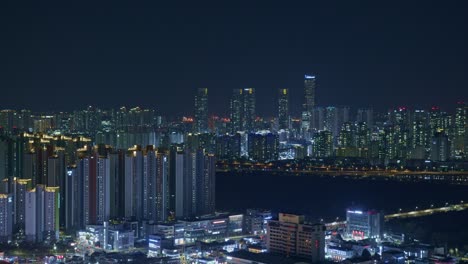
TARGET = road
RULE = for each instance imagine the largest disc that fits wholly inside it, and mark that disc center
(415, 213)
(424, 212)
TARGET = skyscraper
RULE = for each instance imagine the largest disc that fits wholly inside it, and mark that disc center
(242, 110)
(201, 110)
(236, 110)
(419, 134)
(309, 91)
(249, 109)
(283, 109)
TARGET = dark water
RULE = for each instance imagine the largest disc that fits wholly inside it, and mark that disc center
(325, 197)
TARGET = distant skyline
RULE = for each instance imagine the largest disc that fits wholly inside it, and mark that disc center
(68, 55)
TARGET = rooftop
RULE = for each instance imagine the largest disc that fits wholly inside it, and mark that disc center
(269, 258)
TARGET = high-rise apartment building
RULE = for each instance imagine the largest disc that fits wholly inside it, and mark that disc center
(19, 189)
(42, 214)
(134, 183)
(263, 146)
(194, 173)
(323, 144)
(155, 185)
(94, 174)
(73, 200)
(6, 217)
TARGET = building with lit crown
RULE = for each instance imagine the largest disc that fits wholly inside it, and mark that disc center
(309, 92)
(243, 112)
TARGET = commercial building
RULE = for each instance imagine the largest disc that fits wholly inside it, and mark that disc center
(364, 224)
(289, 235)
(201, 110)
(283, 108)
(255, 221)
(107, 236)
(309, 92)
(187, 232)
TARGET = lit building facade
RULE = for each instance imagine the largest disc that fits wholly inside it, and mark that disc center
(243, 110)
(42, 214)
(309, 92)
(201, 110)
(6, 217)
(263, 146)
(440, 148)
(323, 144)
(364, 224)
(290, 236)
(283, 108)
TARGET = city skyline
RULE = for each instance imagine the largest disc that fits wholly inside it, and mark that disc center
(234, 132)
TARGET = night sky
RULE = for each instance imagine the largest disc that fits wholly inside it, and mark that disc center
(69, 54)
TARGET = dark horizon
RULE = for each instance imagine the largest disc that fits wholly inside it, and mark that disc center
(66, 56)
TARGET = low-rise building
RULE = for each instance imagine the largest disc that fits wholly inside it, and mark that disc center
(290, 236)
